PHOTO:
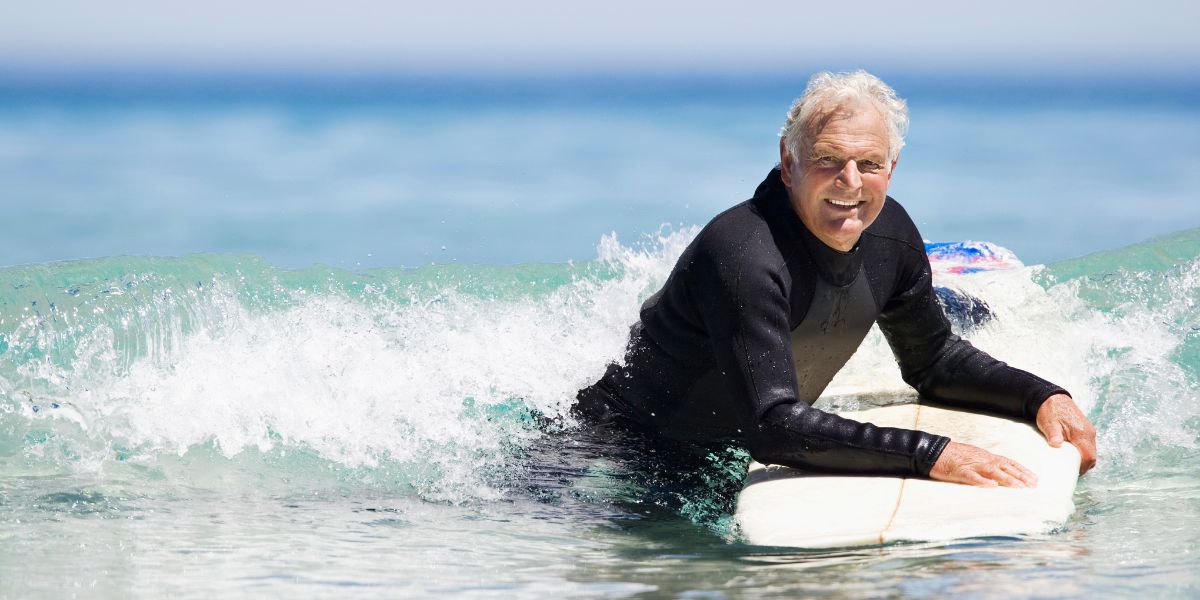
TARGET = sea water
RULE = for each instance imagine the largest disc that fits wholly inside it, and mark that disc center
(246, 423)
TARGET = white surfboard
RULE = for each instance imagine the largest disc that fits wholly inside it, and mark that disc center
(780, 506)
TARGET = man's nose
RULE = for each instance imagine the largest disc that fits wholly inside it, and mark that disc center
(849, 177)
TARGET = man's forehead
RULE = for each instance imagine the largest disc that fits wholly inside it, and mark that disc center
(862, 130)
(867, 146)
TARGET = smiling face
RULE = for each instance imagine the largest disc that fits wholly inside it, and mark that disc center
(838, 184)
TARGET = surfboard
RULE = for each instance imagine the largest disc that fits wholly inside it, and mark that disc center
(781, 506)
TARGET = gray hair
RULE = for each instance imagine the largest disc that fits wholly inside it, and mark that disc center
(826, 92)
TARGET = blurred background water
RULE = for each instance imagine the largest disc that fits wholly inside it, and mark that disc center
(388, 172)
(295, 302)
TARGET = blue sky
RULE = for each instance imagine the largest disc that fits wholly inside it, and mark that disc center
(540, 36)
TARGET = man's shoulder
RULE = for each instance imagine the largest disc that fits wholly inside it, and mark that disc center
(895, 226)
(728, 233)
(749, 218)
(742, 215)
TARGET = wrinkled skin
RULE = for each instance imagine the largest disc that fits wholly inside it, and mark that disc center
(839, 183)
(1059, 419)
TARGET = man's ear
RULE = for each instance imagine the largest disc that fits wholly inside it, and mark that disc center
(786, 161)
(893, 169)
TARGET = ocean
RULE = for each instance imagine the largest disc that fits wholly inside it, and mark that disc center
(320, 338)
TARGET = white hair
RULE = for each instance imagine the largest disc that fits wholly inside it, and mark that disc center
(827, 92)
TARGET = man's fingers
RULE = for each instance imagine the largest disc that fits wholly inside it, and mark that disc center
(977, 479)
(962, 463)
(1086, 465)
(1084, 440)
(1011, 474)
(1054, 433)
(1000, 470)
(1005, 478)
(1060, 420)
(1087, 454)
(1027, 477)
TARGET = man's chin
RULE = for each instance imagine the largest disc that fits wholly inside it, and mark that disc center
(846, 229)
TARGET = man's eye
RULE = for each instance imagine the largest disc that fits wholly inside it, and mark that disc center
(868, 166)
(827, 161)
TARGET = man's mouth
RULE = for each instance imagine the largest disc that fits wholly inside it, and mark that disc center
(845, 203)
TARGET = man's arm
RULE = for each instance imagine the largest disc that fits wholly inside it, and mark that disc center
(745, 310)
(943, 366)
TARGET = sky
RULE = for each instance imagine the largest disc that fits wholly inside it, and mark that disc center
(553, 36)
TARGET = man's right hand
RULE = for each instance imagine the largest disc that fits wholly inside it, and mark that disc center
(963, 463)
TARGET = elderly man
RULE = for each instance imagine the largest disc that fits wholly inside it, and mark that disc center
(775, 294)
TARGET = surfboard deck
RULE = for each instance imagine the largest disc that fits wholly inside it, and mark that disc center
(781, 506)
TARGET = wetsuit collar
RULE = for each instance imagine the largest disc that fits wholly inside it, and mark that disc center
(834, 266)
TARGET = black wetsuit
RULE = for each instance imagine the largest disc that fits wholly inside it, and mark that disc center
(757, 317)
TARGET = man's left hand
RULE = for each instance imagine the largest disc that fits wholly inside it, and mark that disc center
(1061, 420)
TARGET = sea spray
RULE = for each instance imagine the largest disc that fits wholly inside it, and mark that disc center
(1146, 356)
(1120, 330)
(403, 379)
(225, 371)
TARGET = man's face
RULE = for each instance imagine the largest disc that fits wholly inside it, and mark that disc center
(838, 185)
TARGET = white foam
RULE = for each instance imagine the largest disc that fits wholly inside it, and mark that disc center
(364, 379)
(1121, 360)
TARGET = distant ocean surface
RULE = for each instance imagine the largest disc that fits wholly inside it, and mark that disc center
(320, 338)
(359, 173)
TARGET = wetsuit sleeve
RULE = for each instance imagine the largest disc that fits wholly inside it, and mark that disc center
(945, 367)
(746, 311)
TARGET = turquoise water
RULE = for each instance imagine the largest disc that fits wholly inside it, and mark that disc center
(217, 424)
(243, 423)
